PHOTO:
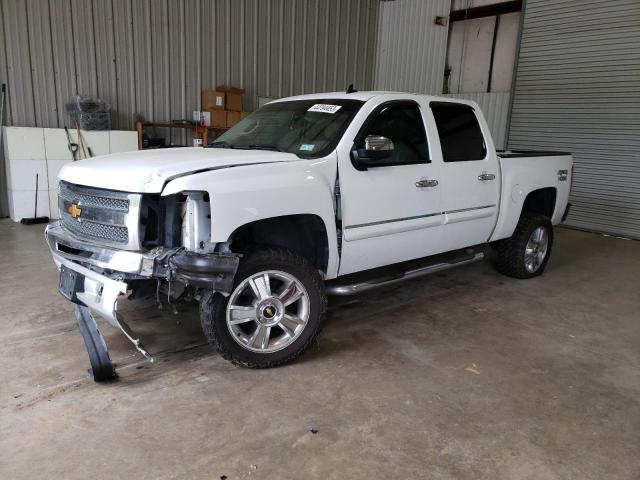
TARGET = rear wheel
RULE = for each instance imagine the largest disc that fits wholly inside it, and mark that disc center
(527, 252)
(273, 314)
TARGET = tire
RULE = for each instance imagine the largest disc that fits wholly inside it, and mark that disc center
(260, 329)
(522, 255)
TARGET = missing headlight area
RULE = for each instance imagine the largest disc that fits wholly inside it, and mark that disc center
(161, 221)
(180, 220)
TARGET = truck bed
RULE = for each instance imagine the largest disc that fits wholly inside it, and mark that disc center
(524, 171)
(529, 153)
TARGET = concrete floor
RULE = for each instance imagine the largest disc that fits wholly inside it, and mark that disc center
(462, 375)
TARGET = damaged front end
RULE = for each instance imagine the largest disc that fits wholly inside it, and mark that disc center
(174, 254)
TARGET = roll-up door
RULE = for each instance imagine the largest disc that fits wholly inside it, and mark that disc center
(577, 89)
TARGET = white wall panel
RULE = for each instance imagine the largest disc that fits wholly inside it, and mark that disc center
(505, 52)
(22, 175)
(43, 151)
(22, 204)
(470, 54)
(122, 141)
(24, 158)
(23, 143)
(578, 89)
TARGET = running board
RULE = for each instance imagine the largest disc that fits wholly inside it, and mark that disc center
(355, 288)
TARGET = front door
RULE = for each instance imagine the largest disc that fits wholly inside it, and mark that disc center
(390, 210)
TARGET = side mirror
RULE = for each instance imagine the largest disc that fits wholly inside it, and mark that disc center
(377, 146)
(376, 150)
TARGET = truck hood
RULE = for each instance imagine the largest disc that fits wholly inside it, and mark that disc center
(148, 171)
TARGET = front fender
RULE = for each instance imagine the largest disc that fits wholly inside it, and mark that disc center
(244, 194)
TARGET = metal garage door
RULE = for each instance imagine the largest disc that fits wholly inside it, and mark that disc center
(578, 89)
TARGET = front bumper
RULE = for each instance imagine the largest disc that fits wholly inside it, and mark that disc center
(94, 290)
(66, 247)
(94, 276)
(214, 271)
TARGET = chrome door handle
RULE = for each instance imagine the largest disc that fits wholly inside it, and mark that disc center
(485, 177)
(426, 183)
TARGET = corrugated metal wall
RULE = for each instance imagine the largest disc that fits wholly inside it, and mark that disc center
(411, 51)
(578, 89)
(153, 57)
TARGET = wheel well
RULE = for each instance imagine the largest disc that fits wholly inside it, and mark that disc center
(305, 235)
(542, 201)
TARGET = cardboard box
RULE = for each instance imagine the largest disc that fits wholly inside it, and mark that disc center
(233, 97)
(218, 118)
(213, 100)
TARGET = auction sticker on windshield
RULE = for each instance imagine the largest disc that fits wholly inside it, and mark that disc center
(325, 108)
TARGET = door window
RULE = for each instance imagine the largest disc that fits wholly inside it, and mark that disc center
(460, 136)
(402, 124)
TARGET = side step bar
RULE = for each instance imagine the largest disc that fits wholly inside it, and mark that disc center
(355, 288)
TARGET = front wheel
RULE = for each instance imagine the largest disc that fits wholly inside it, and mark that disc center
(273, 314)
(526, 253)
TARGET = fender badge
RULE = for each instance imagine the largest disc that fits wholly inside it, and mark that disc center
(74, 211)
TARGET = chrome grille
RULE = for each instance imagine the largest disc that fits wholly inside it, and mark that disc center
(101, 216)
(95, 231)
(67, 192)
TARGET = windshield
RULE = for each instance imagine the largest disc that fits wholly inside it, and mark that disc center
(309, 128)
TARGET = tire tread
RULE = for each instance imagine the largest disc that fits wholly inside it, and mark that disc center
(509, 260)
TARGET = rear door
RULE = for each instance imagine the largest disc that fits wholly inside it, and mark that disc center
(469, 175)
(390, 212)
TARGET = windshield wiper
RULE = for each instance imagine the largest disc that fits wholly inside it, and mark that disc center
(220, 144)
(257, 146)
(265, 146)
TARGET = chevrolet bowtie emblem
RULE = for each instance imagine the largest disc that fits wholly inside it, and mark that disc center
(74, 211)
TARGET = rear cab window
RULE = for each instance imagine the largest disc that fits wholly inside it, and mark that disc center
(461, 137)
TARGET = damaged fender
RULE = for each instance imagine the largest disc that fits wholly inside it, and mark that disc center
(211, 271)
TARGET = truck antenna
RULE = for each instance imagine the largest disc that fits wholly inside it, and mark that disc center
(350, 89)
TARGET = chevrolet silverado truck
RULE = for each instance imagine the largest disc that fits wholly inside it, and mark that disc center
(313, 195)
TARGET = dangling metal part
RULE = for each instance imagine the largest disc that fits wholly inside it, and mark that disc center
(101, 367)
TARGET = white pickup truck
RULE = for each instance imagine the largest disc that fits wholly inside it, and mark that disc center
(332, 193)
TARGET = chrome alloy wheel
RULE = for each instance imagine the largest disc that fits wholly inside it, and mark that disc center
(536, 249)
(268, 311)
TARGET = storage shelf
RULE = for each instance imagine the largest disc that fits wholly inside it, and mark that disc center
(197, 129)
